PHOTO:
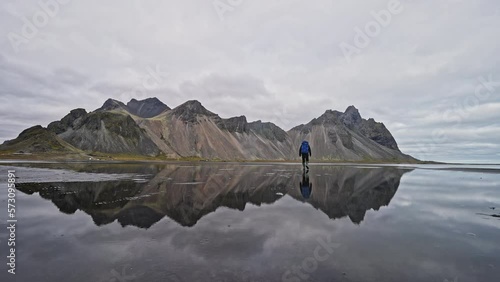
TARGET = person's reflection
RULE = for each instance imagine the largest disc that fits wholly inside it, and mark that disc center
(305, 185)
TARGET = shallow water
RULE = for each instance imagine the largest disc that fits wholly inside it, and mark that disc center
(253, 222)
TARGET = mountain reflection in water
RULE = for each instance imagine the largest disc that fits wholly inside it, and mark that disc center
(188, 193)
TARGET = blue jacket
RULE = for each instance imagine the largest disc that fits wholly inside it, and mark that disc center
(300, 151)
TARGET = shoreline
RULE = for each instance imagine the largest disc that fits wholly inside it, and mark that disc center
(409, 166)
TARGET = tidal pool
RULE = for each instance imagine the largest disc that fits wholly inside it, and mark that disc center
(252, 222)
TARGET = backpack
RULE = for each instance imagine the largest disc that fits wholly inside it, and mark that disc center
(304, 148)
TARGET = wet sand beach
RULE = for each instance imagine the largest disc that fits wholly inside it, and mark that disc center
(254, 222)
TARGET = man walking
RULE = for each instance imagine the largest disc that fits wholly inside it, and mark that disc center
(305, 153)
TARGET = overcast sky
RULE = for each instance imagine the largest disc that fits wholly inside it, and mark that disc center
(430, 72)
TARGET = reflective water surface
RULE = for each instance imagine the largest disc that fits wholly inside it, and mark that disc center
(253, 222)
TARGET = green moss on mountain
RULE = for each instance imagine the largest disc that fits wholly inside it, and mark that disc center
(37, 139)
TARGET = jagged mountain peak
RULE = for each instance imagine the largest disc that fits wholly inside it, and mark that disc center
(268, 129)
(332, 112)
(351, 108)
(150, 99)
(330, 115)
(260, 122)
(192, 104)
(112, 104)
(234, 124)
(67, 122)
(190, 109)
(352, 111)
(146, 108)
(351, 117)
(239, 119)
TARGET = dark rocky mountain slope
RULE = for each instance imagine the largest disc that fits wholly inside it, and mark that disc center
(347, 136)
(104, 131)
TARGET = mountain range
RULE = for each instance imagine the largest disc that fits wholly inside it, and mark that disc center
(149, 128)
